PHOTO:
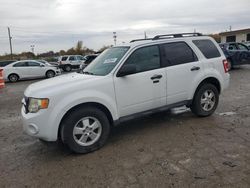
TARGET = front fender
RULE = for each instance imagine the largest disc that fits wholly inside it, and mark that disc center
(74, 99)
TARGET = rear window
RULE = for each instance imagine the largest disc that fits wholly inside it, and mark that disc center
(64, 58)
(5, 63)
(207, 47)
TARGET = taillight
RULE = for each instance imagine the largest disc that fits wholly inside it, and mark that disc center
(226, 65)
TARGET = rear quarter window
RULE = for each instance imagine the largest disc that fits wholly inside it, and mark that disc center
(207, 48)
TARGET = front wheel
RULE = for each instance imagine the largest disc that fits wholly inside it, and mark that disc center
(205, 100)
(50, 74)
(67, 68)
(85, 129)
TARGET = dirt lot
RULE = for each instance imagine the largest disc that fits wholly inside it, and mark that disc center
(162, 150)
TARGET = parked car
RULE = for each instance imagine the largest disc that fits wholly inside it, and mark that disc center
(55, 64)
(236, 53)
(69, 62)
(5, 63)
(126, 82)
(29, 69)
(87, 61)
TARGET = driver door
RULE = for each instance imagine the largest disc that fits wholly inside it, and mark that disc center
(145, 89)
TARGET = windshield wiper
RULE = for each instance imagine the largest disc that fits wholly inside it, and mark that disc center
(86, 72)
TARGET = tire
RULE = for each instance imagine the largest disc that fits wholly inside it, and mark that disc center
(67, 68)
(13, 78)
(50, 74)
(205, 101)
(78, 133)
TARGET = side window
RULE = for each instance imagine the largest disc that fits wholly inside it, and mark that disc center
(207, 48)
(232, 47)
(33, 64)
(72, 58)
(80, 58)
(177, 53)
(20, 64)
(64, 58)
(145, 59)
(242, 47)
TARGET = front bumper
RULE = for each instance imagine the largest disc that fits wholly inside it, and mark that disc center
(38, 124)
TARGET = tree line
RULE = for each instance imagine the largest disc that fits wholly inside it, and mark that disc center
(79, 49)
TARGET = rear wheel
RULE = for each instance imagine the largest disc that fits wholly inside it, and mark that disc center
(85, 130)
(13, 77)
(205, 100)
(50, 74)
(67, 68)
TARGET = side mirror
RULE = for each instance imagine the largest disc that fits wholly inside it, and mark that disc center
(126, 70)
(42, 65)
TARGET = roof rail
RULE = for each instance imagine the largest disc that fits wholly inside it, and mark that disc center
(135, 40)
(178, 35)
(169, 36)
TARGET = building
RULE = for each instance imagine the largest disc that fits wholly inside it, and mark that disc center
(242, 35)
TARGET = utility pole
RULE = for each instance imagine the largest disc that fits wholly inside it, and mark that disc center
(114, 36)
(32, 48)
(145, 35)
(10, 38)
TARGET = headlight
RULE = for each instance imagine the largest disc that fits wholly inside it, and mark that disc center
(36, 104)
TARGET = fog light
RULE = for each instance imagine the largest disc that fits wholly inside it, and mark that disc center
(32, 129)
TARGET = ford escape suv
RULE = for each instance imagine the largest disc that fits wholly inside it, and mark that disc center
(125, 82)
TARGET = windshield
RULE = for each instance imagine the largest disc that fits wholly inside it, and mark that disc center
(105, 62)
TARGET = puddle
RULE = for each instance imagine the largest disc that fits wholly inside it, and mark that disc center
(227, 113)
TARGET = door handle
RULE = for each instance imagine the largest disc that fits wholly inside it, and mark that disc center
(195, 68)
(156, 76)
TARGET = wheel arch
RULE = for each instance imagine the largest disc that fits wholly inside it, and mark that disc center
(87, 104)
(14, 74)
(210, 80)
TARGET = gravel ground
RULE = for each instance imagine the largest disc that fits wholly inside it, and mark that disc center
(163, 150)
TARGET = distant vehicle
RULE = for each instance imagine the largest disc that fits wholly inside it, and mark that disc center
(5, 63)
(88, 60)
(48, 63)
(29, 69)
(69, 62)
(236, 53)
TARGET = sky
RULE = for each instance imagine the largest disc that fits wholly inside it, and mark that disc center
(59, 24)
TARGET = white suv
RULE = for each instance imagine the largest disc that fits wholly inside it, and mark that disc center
(124, 82)
(69, 62)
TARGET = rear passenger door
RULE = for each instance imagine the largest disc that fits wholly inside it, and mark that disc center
(182, 69)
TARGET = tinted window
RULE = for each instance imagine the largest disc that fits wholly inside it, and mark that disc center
(208, 48)
(64, 58)
(177, 53)
(4, 63)
(232, 47)
(146, 58)
(72, 58)
(33, 64)
(20, 64)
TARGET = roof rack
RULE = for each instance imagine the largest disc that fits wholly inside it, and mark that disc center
(135, 40)
(169, 36)
(178, 35)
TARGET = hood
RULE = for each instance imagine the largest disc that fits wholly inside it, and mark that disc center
(68, 82)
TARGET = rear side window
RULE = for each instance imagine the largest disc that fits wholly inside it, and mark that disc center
(20, 64)
(177, 53)
(207, 47)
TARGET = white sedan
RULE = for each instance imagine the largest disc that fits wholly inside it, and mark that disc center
(29, 69)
